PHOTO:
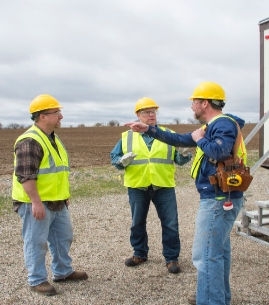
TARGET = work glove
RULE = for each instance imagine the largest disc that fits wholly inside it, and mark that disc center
(127, 159)
(184, 156)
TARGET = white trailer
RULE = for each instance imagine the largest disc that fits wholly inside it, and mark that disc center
(255, 224)
(264, 87)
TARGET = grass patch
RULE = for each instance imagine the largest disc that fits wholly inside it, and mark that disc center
(99, 181)
(96, 182)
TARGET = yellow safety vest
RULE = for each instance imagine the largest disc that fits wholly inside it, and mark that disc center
(53, 174)
(239, 149)
(155, 167)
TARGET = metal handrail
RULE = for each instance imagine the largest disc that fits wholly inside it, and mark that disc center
(249, 138)
(256, 128)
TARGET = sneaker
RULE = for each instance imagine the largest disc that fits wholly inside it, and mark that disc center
(74, 276)
(192, 299)
(173, 267)
(134, 261)
(44, 288)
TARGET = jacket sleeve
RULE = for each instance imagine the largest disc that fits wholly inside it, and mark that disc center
(181, 159)
(116, 154)
(174, 139)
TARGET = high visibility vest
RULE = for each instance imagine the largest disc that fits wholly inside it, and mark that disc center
(239, 149)
(150, 167)
(53, 175)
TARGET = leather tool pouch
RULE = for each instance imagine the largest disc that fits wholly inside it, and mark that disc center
(231, 176)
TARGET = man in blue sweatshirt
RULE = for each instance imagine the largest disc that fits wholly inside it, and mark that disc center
(215, 141)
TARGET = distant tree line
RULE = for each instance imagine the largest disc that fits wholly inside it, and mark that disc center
(12, 126)
(111, 123)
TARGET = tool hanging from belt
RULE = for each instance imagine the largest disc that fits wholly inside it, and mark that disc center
(231, 176)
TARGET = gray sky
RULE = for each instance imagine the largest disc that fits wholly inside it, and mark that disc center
(99, 57)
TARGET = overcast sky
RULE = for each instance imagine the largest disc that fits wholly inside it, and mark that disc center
(99, 57)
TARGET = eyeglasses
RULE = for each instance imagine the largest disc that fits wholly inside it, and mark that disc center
(197, 101)
(57, 112)
(148, 112)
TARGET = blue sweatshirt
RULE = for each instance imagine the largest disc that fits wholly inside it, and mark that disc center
(217, 144)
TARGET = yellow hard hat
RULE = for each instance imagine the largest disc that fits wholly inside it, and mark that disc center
(42, 102)
(208, 90)
(144, 103)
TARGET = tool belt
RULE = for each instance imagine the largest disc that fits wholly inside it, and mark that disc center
(231, 176)
(55, 205)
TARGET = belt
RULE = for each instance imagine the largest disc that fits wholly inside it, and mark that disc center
(55, 205)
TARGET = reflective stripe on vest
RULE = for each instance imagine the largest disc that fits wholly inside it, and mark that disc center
(197, 161)
(168, 159)
(239, 149)
(149, 167)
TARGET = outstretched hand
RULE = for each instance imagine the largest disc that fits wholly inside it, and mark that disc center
(137, 126)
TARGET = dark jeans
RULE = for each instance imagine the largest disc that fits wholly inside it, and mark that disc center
(165, 203)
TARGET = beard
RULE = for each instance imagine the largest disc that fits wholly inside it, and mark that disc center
(199, 118)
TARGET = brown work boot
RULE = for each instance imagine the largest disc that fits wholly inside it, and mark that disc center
(173, 267)
(44, 288)
(192, 299)
(134, 261)
(74, 276)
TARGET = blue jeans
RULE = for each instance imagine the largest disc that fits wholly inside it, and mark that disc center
(55, 231)
(211, 251)
(165, 203)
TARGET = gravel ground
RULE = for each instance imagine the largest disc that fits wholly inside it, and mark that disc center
(101, 243)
